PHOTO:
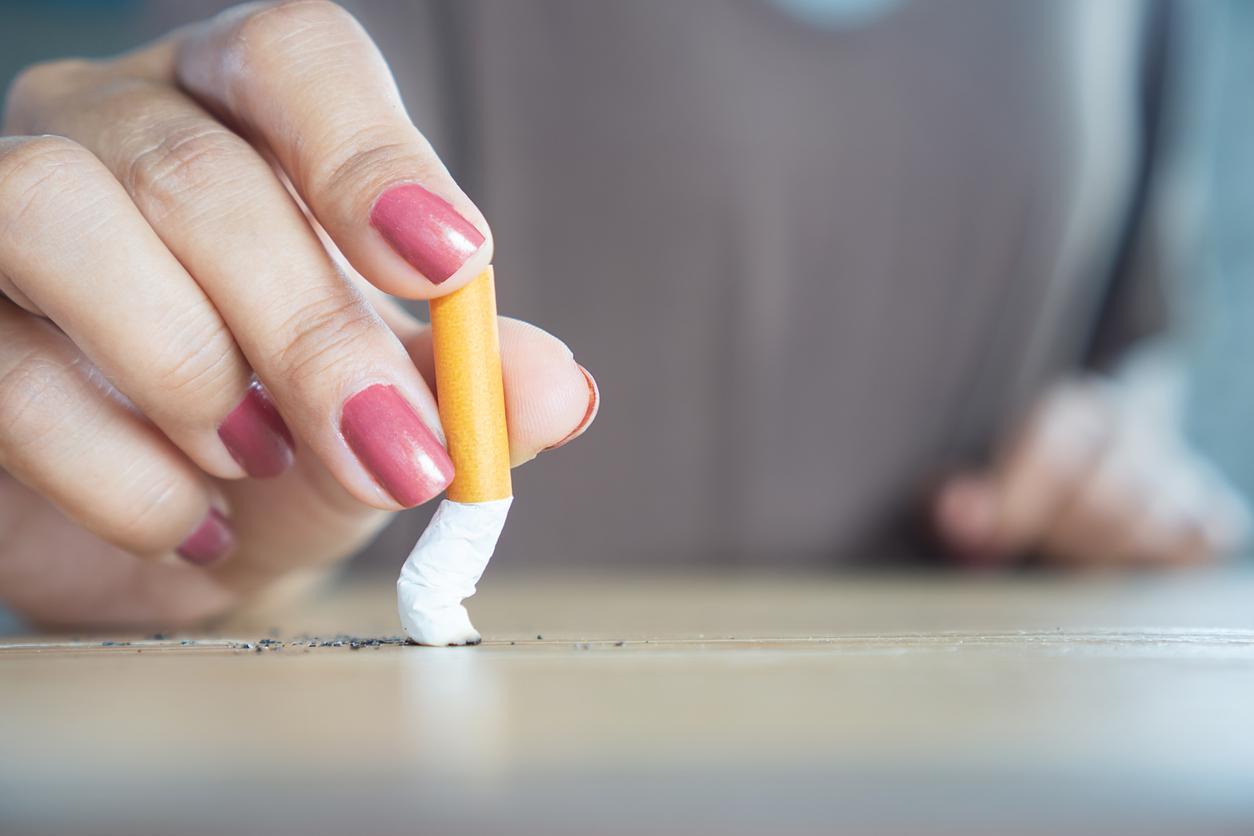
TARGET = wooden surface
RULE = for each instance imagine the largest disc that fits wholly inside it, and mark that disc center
(662, 704)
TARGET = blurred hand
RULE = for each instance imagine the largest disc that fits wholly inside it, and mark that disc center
(1092, 480)
(190, 360)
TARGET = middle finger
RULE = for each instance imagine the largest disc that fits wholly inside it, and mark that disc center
(340, 377)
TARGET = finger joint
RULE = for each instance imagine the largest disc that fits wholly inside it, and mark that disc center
(184, 159)
(321, 332)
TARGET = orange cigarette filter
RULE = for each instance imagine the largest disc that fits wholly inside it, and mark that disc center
(471, 393)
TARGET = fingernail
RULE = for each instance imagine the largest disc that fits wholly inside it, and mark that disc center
(425, 230)
(256, 437)
(210, 542)
(395, 446)
(594, 403)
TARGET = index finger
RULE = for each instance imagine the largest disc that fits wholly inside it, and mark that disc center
(305, 80)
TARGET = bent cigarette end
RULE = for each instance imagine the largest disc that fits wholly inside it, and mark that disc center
(444, 567)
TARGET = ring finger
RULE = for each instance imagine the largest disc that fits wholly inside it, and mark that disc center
(341, 379)
(64, 435)
(74, 248)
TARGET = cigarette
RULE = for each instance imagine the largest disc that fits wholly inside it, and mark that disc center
(452, 553)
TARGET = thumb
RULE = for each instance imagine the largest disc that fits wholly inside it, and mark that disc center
(965, 513)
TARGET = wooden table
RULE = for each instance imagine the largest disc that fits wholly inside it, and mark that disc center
(658, 704)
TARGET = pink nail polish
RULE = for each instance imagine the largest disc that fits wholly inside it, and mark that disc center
(426, 230)
(393, 443)
(255, 435)
(594, 404)
(210, 542)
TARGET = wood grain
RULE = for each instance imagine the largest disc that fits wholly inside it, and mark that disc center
(660, 704)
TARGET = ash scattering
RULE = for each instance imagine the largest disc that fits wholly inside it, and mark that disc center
(341, 640)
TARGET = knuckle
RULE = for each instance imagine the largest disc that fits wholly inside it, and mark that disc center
(184, 159)
(40, 172)
(32, 159)
(206, 361)
(362, 159)
(277, 29)
(320, 333)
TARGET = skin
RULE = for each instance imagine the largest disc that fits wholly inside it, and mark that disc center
(1092, 480)
(172, 223)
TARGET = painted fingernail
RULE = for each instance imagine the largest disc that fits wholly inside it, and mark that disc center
(210, 542)
(395, 446)
(425, 230)
(256, 437)
(594, 403)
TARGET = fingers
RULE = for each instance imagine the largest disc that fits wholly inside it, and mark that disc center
(1106, 518)
(1089, 485)
(306, 80)
(242, 278)
(992, 516)
(65, 435)
(1146, 503)
(1040, 472)
(56, 575)
(305, 330)
(1190, 514)
(73, 247)
(549, 398)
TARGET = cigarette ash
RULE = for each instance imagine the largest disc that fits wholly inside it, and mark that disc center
(271, 643)
(340, 640)
(302, 643)
(356, 642)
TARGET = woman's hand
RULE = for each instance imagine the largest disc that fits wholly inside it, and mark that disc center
(190, 360)
(1096, 478)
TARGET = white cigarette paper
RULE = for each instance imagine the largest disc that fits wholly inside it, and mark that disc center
(443, 569)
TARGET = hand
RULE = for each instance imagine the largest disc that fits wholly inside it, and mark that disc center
(1093, 480)
(190, 359)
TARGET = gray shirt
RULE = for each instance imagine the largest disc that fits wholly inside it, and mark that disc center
(811, 266)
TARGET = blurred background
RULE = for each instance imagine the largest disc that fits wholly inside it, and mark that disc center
(818, 253)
